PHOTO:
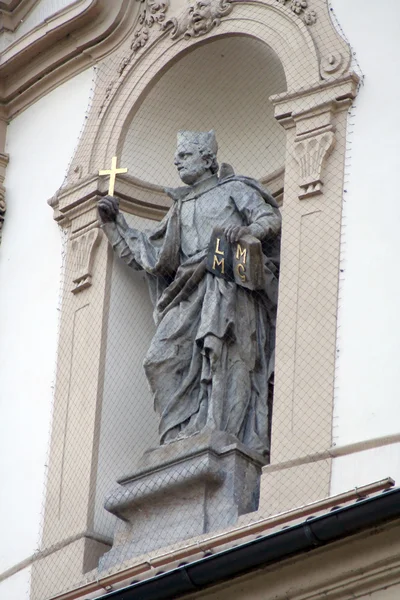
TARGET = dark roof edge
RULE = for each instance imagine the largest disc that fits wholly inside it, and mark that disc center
(265, 550)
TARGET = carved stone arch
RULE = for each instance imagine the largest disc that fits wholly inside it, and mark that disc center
(270, 23)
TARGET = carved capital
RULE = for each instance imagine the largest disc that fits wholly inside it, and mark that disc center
(310, 153)
(83, 250)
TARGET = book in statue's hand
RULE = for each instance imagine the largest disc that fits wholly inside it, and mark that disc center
(241, 261)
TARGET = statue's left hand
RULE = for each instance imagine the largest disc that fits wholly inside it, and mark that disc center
(233, 233)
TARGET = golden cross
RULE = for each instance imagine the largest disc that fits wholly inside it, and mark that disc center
(113, 172)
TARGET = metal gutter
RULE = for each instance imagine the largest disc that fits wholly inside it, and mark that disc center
(312, 533)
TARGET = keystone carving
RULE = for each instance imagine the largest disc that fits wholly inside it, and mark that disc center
(83, 252)
(200, 17)
(311, 154)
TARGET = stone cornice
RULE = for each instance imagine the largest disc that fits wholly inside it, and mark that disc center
(10, 5)
(58, 48)
(337, 583)
(136, 197)
(291, 106)
(13, 12)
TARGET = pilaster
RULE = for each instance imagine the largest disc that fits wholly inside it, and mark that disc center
(69, 506)
(306, 332)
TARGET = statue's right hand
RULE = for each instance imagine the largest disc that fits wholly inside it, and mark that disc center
(108, 209)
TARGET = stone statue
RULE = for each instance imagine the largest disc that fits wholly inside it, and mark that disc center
(212, 357)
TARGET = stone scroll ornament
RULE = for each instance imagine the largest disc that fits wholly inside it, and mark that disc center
(200, 17)
(150, 12)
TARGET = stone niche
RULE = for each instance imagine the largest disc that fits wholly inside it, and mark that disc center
(250, 139)
(224, 84)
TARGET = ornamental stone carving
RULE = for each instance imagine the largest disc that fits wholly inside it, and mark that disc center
(83, 251)
(310, 154)
(300, 8)
(331, 64)
(151, 11)
(200, 17)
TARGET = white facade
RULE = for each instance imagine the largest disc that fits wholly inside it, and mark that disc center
(367, 384)
(40, 143)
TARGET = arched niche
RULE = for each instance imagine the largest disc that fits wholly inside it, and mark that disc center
(224, 84)
(231, 96)
(267, 23)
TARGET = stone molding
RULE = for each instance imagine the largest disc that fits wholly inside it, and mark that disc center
(144, 567)
(97, 24)
(74, 201)
(224, 539)
(312, 116)
(73, 204)
(26, 80)
(335, 452)
(116, 101)
(12, 13)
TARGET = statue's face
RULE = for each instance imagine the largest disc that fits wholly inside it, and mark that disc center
(200, 13)
(189, 162)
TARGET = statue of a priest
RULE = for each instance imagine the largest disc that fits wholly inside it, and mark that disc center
(212, 266)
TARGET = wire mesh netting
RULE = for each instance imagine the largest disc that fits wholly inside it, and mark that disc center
(165, 415)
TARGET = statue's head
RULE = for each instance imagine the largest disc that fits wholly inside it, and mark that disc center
(196, 155)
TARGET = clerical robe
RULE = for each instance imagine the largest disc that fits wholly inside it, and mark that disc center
(211, 359)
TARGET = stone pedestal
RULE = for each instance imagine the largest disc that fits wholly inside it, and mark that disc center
(182, 490)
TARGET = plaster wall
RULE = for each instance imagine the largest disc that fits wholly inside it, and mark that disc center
(367, 384)
(40, 142)
(223, 85)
